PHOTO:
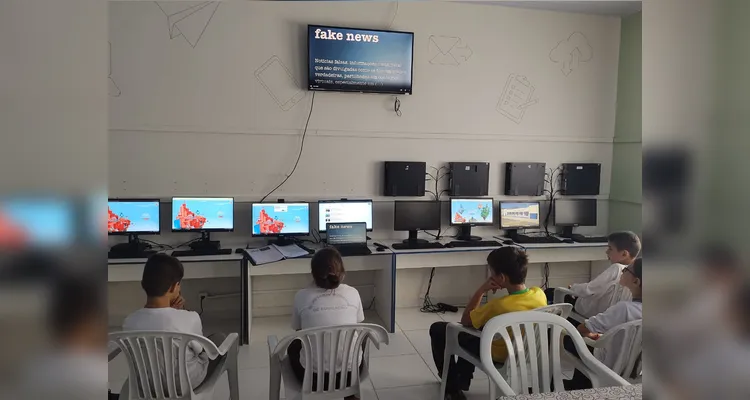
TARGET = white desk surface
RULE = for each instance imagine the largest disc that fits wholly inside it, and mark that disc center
(527, 246)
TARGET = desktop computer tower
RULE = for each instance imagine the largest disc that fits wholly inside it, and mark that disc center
(524, 179)
(405, 178)
(469, 178)
(580, 179)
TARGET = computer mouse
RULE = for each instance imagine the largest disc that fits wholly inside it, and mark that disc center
(449, 245)
(240, 250)
(568, 241)
(380, 249)
(507, 241)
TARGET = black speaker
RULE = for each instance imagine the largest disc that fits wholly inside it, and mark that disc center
(469, 178)
(405, 178)
(524, 179)
(580, 179)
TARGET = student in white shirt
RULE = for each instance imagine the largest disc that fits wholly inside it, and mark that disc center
(620, 313)
(164, 311)
(328, 302)
(595, 296)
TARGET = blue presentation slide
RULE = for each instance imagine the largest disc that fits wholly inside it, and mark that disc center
(346, 233)
(202, 213)
(359, 60)
(133, 216)
(37, 222)
(471, 211)
(281, 218)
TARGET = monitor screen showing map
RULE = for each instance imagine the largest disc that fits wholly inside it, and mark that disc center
(475, 211)
(519, 215)
(281, 219)
(133, 216)
(203, 214)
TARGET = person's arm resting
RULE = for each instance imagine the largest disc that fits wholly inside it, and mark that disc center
(473, 305)
(598, 285)
(602, 322)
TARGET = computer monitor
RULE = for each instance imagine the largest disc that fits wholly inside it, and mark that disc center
(467, 212)
(133, 217)
(519, 215)
(337, 211)
(36, 222)
(281, 219)
(340, 234)
(415, 216)
(572, 213)
(204, 215)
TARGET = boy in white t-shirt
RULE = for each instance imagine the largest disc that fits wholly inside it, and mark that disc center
(594, 297)
(326, 303)
(164, 311)
(620, 313)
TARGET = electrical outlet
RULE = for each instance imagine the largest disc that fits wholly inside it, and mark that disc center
(202, 295)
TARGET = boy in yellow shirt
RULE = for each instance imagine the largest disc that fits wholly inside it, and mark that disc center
(508, 268)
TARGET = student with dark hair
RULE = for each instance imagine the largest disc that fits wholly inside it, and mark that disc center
(165, 311)
(508, 267)
(328, 302)
(595, 296)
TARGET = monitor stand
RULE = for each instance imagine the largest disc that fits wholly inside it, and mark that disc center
(133, 246)
(413, 238)
(282, 241)
(205, 243)
(464, 233)
(511, 234)
(567, 232)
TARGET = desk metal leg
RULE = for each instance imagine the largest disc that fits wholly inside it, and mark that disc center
(385, 287)
(246, 306)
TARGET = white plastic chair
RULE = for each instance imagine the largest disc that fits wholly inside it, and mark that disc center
(453, 348)
(626, 359)
(616, 293)
(150, 377)
(342, 343)
(543, 368)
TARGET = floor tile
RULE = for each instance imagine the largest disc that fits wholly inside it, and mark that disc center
(452, 316)
(420, 340)
(254, 355)
(410, 370)
(424, 392)
(254, 384)
(479, 390)
(398, 345)
(264, 326)
(411, 319)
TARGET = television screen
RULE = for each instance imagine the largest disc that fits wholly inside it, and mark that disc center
(281, 219)
(202, 214)
(477, 211)
(358, 60)
(133, 216)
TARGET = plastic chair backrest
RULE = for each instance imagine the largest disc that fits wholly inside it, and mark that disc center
(561, 310)
(618, 293)
(344, 346)
(627, 357)
(542, 367)
(150, 376)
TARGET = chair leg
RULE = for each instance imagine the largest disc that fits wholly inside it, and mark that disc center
(232, 373)
(444, 378)
(274, 390)
(493, 390)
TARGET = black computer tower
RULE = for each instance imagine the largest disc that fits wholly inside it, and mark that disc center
(524, 179)
(404, 178)
(580, 179)
(469, 178)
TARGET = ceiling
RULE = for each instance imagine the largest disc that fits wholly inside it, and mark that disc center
(600, 7)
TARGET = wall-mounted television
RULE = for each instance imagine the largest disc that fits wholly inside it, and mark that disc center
(359, 60)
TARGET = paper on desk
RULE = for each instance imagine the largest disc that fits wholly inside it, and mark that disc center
(291, 250)
(265, 255)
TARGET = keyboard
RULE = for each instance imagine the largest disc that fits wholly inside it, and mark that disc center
(417, 246)
(523, 239)
(476, 243)
(121, 255)
(352, 251)
(193, 253)
(589, 239)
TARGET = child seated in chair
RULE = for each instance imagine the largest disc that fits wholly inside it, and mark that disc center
(594, 297)
(328, 302)
(508, 268)
(620, 313)
(165, 311)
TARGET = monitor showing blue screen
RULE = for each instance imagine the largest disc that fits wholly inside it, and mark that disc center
(281, 219)
(133, 216)
(359, 60)
(515, 215)
(203, 214)
(36, 222)
(348, 233)
(476, 211)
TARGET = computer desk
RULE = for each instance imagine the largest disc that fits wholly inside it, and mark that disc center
(386, 263)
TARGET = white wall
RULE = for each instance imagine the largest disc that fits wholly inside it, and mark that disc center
(195, 120)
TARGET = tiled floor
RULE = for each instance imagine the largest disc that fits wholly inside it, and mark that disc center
(402, 370)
